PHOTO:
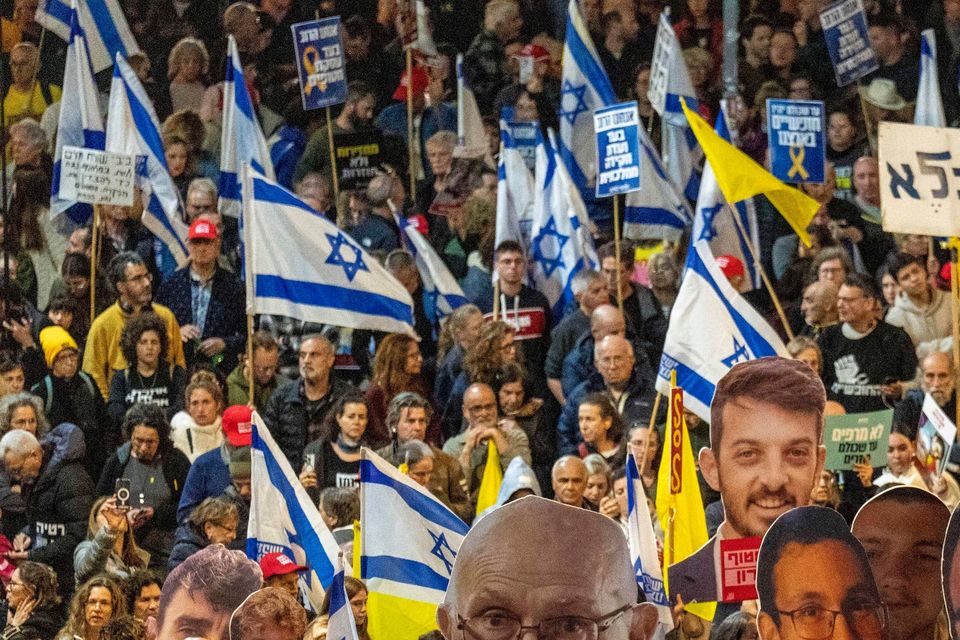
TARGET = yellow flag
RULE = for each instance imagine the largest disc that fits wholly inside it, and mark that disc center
(679, 505)
(492, 478)
(740, 177)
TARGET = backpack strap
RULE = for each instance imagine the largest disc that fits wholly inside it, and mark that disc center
(45, 92)
(48, 401)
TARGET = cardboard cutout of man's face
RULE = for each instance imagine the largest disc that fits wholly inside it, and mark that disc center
(950, 574)
(902, 532)
(537, 562)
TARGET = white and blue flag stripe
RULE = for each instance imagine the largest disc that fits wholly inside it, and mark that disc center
(284, 519)
(242, 139)
(441, 290)
(514, 192)
(133, 128)
(658, 210)
(643, 546)
(104, 23)
(712, 328)
(340, 624)
(80, 123)
(300, 265)
(410, 538)
(929, 110)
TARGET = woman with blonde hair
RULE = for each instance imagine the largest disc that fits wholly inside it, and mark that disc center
(110, 547)
(397, 367)
(96, 602)
(187, 69)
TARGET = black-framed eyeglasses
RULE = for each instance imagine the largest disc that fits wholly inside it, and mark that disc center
(497, 626)
(811, 622)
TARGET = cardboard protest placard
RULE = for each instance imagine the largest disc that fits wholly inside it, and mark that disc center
(902, 531)
(618, 149)
(738, 569)
(97, 177)
(810, 565)
(321, 68)
(359, 156)
(919, 179)
(525, 140)
(796, 140)
(850, 438)
(845, 30)
(935, 437)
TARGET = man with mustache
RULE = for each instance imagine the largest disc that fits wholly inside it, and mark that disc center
(764, 458)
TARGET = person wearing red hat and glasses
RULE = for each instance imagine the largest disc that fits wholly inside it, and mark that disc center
(207, 300)
(281, 572)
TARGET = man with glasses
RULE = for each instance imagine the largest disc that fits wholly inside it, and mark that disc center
(865, 360)
(133, 283)
(523, 571)
(483, 424)
(815, 582)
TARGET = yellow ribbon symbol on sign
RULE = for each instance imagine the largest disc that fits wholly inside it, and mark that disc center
(310, 59)
(797, 155)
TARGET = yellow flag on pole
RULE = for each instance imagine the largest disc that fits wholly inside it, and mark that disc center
(740, 177)
(491, 480)
(679, 505)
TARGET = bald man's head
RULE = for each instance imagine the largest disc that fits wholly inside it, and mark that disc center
(819, 303)
(866, 179)
(480, 406)
(569, 477)
(607, 320)
(613, 356)
(533, 561)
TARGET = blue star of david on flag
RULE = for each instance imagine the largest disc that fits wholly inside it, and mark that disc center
(739, 354)
(578, 93)
(549, 231)
(442, 549)
(709, 232)
(350, 268)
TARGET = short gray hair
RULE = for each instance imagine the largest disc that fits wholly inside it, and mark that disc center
(443, 138)
(31, 131)
(18, 442)
(562, 460)
(379, 190)
(204, 185)
(22, 399)
(413, 451)
(583, 279)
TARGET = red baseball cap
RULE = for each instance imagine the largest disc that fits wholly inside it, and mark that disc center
(420, 83)
(237, 425)
(534, 51)
(278, 564)
(201, 229)
(731, 266)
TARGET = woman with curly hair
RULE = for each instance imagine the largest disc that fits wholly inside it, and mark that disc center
(495, 347)
(397, 367)
(33, 603)
(150, 377)
(95, 603)
(23, 411)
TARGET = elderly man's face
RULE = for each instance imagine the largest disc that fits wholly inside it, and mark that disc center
(763, 472)
(200, 202)
(615, 363)
(813, 580)
(480, 408)
(570, 481)
(905, 561)
(440, 157)
(938, 379)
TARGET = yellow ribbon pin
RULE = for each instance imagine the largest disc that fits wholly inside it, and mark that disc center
(797, 155)
(310, 59)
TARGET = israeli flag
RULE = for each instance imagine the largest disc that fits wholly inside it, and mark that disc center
(443, 293)
(300, 265)
(284, 519)
(681, 153)
(409, 538)
(514, 192)
(80, 123)
(711, 329)
(657, 211)
(643, 547)
(340, 624)
(103, 22)
(713, 219)
(242, 140)
(133, 128)
(560, 245)
(929, 103)
(585, 88)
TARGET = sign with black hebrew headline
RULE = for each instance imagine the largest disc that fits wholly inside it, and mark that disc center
(97, 177)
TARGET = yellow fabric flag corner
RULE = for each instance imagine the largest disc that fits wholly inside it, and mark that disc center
(679, 505)
(740, 177)
(492, 478)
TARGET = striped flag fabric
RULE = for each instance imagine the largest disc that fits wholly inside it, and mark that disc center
(107, 31)
(340, 624)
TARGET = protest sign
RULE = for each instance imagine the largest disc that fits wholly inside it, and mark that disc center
(618, 149)
(97, 177)
(525, 140)
(796, 140)
(358, 157)
(845, 30)
(919, 179)
(738, 568)
(849, 438)
(935, 437)
(321, 67)
(660, 69)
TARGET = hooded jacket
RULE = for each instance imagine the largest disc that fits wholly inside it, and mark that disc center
(192, 439)
(58, 503)
(928, 324)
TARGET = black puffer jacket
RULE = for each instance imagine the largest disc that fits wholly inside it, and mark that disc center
(58, 503)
